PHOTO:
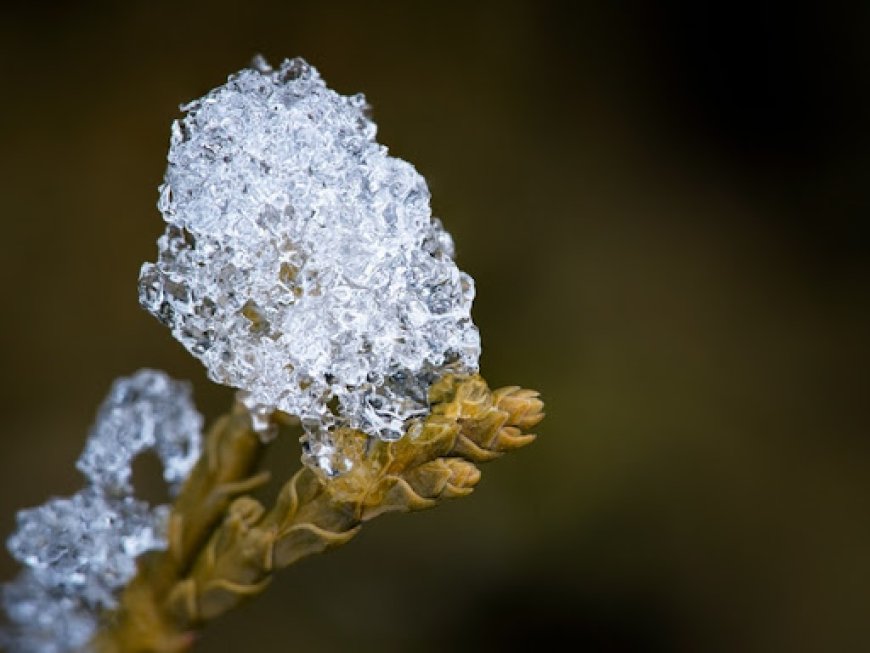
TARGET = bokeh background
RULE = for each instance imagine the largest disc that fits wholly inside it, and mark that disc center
(665, 208)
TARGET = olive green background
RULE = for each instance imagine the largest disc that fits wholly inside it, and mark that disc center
(665, 208)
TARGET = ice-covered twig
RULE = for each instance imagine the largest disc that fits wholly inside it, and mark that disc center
(468, 425)
(301, 265)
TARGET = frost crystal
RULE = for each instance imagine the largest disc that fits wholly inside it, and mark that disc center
(146, 411)
(86, 544)
(301, 262)
(79, 551)
(49, 620)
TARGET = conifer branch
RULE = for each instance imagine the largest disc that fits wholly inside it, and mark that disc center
(227, 549)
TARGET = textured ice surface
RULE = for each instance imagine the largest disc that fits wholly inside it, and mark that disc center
(48, 620)
(86, 544)
(146, 411)
(80, 550)
(301, 262)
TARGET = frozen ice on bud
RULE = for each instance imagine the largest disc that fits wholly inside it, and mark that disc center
(145, 411)
(301, 262)
(47, 620)
(86, 544)
(79, 551)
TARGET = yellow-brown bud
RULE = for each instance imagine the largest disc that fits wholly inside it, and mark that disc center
(523, 407)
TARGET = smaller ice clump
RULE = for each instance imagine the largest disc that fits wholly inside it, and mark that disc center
(301, 263)
(147, 411)
(81, 550)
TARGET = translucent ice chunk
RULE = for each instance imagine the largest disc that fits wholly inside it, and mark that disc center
(301, 262)
(46, 619)
(145, 411)
(86, 545)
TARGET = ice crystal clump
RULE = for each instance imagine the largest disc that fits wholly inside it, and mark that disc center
(146, 411)
(79, 551)
(86, 543)
(301, 262)
(48, 620)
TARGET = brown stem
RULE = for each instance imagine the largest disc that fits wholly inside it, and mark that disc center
(141, 623)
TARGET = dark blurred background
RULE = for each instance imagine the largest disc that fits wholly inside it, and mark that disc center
(665, 208)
